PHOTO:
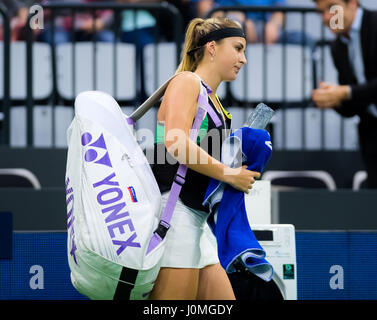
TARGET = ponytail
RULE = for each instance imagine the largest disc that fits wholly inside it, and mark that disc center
(188, 61)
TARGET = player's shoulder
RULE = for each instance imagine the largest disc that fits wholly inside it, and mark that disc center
(187, 80)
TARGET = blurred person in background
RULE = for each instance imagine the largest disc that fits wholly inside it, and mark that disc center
(186, 9)
(18, 11)
(86, 26)
(138, 26)
(354, 52)
(259, 26)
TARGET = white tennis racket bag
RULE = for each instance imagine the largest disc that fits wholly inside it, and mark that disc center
(113, 203)
(116, 226)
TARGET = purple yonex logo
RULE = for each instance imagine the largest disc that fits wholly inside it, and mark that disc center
(114, 210)
(110, 196)
(70, 218)
(92, 154)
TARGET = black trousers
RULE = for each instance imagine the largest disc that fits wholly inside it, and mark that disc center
(368, 148)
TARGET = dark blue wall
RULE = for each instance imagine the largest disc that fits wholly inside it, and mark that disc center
(354, 252)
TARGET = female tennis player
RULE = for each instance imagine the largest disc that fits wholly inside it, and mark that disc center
(214, 51)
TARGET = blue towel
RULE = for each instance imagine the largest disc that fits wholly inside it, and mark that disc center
(237, 245)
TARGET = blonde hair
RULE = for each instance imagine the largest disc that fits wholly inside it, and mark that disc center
(192, 54)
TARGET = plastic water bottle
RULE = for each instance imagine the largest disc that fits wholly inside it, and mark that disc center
(231, 149)
(260, 117)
